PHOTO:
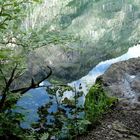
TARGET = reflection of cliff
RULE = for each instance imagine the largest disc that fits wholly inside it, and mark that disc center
(106, 28)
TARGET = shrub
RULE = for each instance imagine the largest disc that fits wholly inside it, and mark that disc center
(97, 102)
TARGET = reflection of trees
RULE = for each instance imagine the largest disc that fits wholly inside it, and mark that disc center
(80, 8)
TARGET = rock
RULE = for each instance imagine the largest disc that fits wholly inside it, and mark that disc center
(124, 131)
(109, 126)
(70, 64)
(118, 126)
(123, 123)
(122, 80)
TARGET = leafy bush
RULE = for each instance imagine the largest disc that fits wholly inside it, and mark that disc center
(66, 121)
(10, 126)
(10, 121)
(97, 102)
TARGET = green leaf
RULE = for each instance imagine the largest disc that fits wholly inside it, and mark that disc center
(44, 136)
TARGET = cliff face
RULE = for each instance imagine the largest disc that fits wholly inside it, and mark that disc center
(123, 81)
(106, 29)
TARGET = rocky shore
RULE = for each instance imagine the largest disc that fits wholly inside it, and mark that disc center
(123, 122)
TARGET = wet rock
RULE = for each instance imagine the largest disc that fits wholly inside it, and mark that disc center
(122, 80)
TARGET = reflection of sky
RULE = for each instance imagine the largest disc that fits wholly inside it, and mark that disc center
(38, 97)
(30, 102)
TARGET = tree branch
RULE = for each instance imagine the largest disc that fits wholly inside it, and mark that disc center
(6, 89)
(33, 84)
(3, 76)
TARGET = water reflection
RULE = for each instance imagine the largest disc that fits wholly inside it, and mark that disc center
(38, 97)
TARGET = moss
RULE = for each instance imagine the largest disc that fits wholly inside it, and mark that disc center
(97, 102)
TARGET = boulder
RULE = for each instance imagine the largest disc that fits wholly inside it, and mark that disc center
(122, 80)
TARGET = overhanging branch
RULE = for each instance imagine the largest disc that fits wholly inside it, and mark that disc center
(33, 84)
(6, 89)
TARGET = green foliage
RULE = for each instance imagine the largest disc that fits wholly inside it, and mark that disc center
(80, 7)
(13, 12)
(9, 126)
(66, 121)
(12, 65)
(97, 102)
(15, 45)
